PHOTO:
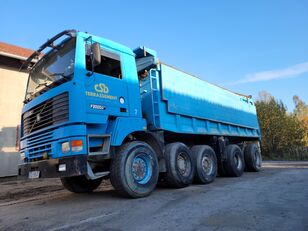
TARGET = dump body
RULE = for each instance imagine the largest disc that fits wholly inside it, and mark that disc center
(178, 102)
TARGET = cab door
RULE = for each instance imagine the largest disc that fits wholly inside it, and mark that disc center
(106, 89)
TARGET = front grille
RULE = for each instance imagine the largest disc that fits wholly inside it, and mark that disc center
(39, 151)
(39, 144)
(40, 138)
(50, 112)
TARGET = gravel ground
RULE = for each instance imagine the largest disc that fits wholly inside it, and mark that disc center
(274, 199)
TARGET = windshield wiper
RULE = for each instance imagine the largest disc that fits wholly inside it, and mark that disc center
(62, 75)
(47, 85)
(27, 99)
(42, 84)
(34, 92)
(52, 83)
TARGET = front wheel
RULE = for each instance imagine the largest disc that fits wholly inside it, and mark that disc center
(134, 170)
(80, 184)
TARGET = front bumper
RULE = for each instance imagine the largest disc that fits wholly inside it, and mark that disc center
(75, 166)
(37, 144)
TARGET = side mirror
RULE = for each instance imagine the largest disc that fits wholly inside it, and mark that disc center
(96, 52)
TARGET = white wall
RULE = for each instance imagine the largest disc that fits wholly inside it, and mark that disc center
(12, 91)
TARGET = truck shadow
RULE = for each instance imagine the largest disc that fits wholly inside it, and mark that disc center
(52, 191)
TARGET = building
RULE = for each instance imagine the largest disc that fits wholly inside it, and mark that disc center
(12, 91)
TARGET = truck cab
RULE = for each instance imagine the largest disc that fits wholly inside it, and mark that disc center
(74, 108)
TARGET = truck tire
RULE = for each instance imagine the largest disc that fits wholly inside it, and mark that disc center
(253, 158)
(205, 161)
(179, 165)
(134, 170)
(234, 164)
(80, 184)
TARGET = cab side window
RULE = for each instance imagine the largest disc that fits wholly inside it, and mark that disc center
(110, 65)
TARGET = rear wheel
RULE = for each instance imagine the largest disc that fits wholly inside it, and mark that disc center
(234, 164)
(179, 163)
(80, 184)
(205, 163)
(253, 158)
(134, 170)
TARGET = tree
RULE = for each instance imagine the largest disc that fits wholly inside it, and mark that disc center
(301, 113)
(280, 130)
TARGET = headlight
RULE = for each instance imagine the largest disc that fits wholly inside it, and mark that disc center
(22, 144)
(22, 156)
(65, 147)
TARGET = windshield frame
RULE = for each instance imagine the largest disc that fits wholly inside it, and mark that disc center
(51, 54)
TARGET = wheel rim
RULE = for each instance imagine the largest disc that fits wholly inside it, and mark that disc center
(238, 161)
(141, 168)
(207, 165)
(183, 164)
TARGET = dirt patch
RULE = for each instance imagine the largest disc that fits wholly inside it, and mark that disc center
(13, 190)
(17, 189)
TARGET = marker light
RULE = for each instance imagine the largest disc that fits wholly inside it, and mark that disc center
(65, 147)
(76, 145)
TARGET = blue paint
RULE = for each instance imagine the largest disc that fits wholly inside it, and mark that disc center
(186, 104)
(141, 168)
(167, 99)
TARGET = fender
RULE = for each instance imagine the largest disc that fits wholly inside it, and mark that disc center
(121, 127)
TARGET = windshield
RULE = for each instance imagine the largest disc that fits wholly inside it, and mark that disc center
(55, 67)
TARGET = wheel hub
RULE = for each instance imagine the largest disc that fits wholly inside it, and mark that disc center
(207, 164)
(141, 169)
(183, 164)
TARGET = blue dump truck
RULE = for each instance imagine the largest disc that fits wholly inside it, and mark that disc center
(96, 109)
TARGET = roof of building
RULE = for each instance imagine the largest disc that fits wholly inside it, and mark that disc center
(14, 51)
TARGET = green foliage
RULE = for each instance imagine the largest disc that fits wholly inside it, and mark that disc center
(301, 113)
(281, 131)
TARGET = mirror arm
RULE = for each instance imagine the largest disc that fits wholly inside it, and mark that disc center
(90, 73)
(95, 57)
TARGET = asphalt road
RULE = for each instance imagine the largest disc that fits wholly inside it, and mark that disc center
(274, 199)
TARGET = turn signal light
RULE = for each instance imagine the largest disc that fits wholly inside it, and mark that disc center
(76, 145)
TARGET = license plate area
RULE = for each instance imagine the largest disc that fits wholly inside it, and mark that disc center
(34, 174)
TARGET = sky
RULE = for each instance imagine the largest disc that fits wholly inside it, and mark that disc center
(246, 46)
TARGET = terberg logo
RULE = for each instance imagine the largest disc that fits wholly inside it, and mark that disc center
(100, 87)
